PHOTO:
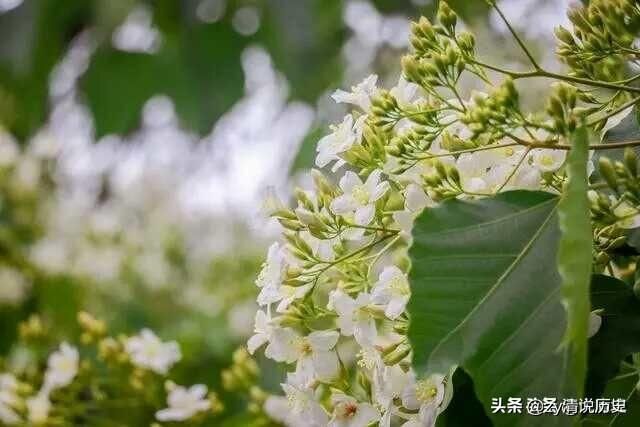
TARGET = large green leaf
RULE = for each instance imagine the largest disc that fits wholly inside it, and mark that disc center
(622, 386)
(575, 252)
(486, 296)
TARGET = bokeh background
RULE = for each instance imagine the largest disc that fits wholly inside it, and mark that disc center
(139, 138)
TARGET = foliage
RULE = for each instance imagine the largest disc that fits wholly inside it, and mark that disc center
(423, 259)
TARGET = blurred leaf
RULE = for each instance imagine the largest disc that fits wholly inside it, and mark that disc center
(309, 52)
(198, 68)
(623, 386)
(619, 334)
(55, 23)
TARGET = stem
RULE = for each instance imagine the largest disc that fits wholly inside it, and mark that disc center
(616, 111)
(470, 150)
(547, 74)
(515, 169)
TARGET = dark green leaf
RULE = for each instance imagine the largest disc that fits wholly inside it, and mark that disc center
(619, 334)
(486, 296)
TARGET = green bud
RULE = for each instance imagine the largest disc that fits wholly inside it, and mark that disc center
(631, 161)
(466, 41)
(564, 35)
(447, 16)
(399, 353)
(411, 69)
(607, 171)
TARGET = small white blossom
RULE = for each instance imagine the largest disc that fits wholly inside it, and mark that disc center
(38, 408)
(342, 138)
(547, 160)
(348, 412)
(263, 330)
(426, 395)
(271, 275)
(62, 367)
(303, 403)
(355, 316)
(184, 403)
(9, 399)
(315, 354)
(278, 409)
(391, 291)
(360, 94)
(359, 198)
(387, 387)
(147, 351)
(405, 92)
(415, 199)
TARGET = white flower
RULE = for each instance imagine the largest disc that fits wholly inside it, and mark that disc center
(315, 355)
(426, 395)
(263, 330)
(38, 408)
(355, 317)
(405, 92)
(62, 367)
(287, 294)
(360, 94)
(392, 291)
(387, 387)
(14, 286)
(359, 198)
(348, 412)
(147, 351)
(303, 403)
(184, 403)
(415, 199)
(340, 140)
(628, 216)
(9, 399)
(271, 275)
(547, 160)
(278, 409)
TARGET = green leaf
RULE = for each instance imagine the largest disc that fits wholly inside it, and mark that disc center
(619, 334)
(464, 409)
(486, 296)
(575, 253)
(622, 386)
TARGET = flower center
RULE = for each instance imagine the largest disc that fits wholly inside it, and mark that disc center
(426, 391)
(546, 160)
(399, 285)
(346, 410)
(304, 347)
(361, 194)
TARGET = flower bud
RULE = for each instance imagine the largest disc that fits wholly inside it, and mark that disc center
(564, 35)
(631, 161)
(607, 171)
(447, 16)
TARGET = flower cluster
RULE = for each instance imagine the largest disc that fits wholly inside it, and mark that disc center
(81, 383)
(334, 291)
